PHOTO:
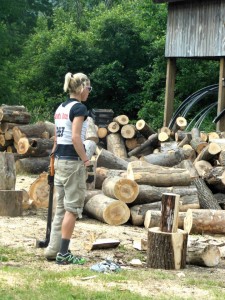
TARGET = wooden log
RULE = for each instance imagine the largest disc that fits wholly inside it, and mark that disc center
(113, 127)
(145, 173)
(165, 159)
(91, 193)
(14, 116)
(144, 128)
(202, 167)
(91, 132)
(209, 153)
(32, 165)
(134, 142)
(121, 120)
(107, 210)
(119, 188)
(163, 137)
(212, 136)
(153, 219)
(189, 166)
(180, 124)
(11, 203)
(102, 173)
(9, 135)
(137, 213)
(206, 198)
(202, 221)
(148, 194)
(166, 147)
(166, 250)
(29, 131)
(109, 160)
(189, 201)
(128, 131)
(4, 126)
(221, 158)
(215, 179)
(102, 132)
(116, 145)
(169, 212)
(39, 191)
(152, 141)
(49, 127)
(34, 146)
(7, 171)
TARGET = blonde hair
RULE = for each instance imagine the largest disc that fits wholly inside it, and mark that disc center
(75, 83)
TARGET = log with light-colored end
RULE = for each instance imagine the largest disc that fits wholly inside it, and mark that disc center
(202, 167)
(144, 128)
(121, 119)
(128, 131)
(39, 191)
(119, 188)
(113, 127)
(107, 210)
(102, 132)
(116, 145)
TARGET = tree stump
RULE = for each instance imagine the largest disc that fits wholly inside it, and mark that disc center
(166, 250)
(11, 203)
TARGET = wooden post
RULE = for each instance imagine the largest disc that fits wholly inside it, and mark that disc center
(221, 95)
(169, 96)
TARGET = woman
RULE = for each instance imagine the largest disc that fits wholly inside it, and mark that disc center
(70, 165)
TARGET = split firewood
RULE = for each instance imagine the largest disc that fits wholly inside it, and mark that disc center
(169, 212)
(102, 173)
(101, 244)
(39, 191)
(128, 131)
(153, 218)
(11, 203)
(7, 171)
(91, 132)
(168, 159)
(121, 120)
(116, 145)
(201, 254)
(144, 128)
(205, 195)
(202, 167)
(107, 210)
(34, 146)
(119, 188)
(32, 165)
(166, 250)
(209, 153)
(202, 221)
(145, 173)
(152, 141)
(113, 127)
(109, 160)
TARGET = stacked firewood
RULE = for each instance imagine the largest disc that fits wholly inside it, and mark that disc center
(30, 143)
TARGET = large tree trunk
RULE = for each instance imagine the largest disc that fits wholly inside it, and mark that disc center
(109, 160)
(107, 210)
(32, 165)
(116, 145)
(201, 221)
(7, 171)
(206, 198)
(31, 130)
(119, 188)
(166, 250)
(11, 203)
(145, 173)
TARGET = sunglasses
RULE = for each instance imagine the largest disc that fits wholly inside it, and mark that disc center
(89, 88)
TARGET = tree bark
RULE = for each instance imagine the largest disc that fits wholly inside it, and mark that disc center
(169, 212)
(203, 255)
(29, 131)
(7, 171)
(34, 147)
(169, 159)
(166, 250)
(107, 210)
(32, 165)
(11, 203)
(152, 141)
(144, 128)
(153, 219)
(109, 160)
(102, 173)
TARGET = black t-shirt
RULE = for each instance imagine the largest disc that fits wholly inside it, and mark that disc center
(77, 110)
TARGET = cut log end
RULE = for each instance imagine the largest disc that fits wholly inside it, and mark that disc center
(117, 213)
(126, 190)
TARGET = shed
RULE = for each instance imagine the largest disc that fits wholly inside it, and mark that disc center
(195, 29)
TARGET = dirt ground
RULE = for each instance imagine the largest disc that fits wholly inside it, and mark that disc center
(24, 231)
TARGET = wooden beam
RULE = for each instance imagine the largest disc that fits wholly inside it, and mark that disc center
(221, 95)
(169, 96)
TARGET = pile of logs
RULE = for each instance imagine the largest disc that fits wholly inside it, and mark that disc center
(31, 144)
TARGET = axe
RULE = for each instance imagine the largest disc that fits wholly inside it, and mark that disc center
(44, 243)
